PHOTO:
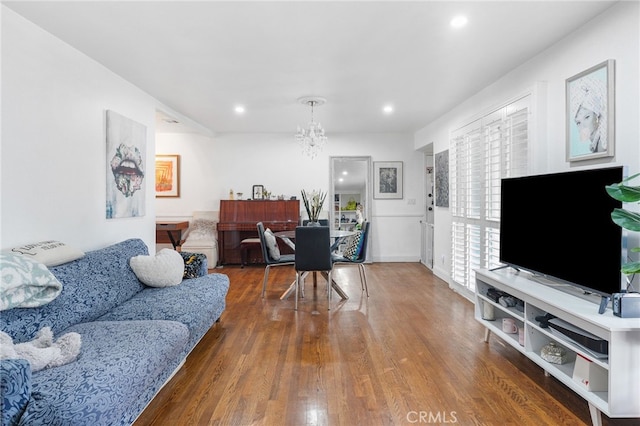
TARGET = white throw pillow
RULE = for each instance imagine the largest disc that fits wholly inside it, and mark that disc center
(165, 269)
(202, 229)
(272, 244)
(49, 253)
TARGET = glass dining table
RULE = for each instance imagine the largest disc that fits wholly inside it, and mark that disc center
(337, 235)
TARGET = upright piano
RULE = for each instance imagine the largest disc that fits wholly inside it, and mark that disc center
(238, 219)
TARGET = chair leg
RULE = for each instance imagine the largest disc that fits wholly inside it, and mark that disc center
(329, 290)
(264, 281)
(295, 306)
(363, 278)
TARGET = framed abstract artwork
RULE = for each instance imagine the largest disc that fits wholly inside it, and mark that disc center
(167, 175)
(590, 101)
(387, 180)
(126, 166)
(442, 179)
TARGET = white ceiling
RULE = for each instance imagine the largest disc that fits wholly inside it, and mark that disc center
(203, 58)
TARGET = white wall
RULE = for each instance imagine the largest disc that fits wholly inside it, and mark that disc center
(612, 35)
(213, 166)
(53, 157)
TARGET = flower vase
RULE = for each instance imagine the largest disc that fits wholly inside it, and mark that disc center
(313, 223)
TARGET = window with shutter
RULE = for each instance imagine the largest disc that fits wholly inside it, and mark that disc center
(481, 154)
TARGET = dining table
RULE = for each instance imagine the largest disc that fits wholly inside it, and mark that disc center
(337, 235)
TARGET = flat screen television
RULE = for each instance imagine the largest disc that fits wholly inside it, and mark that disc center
(559, 225)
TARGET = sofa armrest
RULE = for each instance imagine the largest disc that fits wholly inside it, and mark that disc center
(15, 388)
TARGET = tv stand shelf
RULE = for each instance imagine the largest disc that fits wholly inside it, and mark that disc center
(621, 395)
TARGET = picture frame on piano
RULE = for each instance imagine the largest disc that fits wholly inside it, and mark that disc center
(258, 192)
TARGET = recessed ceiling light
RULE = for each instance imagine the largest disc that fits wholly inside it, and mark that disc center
(388, 109)
(459, 21)
(239, 109)
(345, 173)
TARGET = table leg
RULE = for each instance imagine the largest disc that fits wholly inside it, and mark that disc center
(336, 287)
(173, 241)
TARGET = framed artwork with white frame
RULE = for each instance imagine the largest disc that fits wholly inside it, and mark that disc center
(590, 115)
(387, 180)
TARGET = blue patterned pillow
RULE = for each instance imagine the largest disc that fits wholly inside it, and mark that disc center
(15, 388)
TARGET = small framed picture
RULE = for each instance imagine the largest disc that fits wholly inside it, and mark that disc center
(167, 175)
(258, 192)
(387, 180)
(590, 101)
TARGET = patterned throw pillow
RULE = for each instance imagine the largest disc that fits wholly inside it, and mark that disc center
(354, 245)
(26, 283)
(192, 263)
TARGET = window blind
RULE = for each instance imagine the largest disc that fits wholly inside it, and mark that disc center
(483, 152)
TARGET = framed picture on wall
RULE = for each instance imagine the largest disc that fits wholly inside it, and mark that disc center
(167, 175)
(590, 101)
(387, 180)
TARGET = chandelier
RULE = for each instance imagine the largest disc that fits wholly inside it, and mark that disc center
(311, 139)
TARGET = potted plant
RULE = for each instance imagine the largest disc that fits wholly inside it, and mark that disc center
(625, 218)
(313, 204)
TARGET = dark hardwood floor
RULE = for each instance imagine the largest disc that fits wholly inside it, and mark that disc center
(412, 353)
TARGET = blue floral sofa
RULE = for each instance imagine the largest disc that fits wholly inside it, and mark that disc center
(134, 338)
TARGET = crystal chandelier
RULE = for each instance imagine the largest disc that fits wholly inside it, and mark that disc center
(312, 139)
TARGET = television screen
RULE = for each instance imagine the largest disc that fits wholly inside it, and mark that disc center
(559, 225)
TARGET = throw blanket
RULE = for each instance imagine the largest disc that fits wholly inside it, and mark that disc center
(26, 283)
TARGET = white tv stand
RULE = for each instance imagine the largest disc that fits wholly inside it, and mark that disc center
(622, 397)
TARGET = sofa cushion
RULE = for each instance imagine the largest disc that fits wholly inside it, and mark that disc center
(15, 389)
(195, 264)
(120, 368)
(51, 253)
(26, 283)
(165, 269)
(197, 302)
(91, 286)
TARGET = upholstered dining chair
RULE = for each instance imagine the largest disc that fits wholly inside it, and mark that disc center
(313, 254)
(269, 247)
(322, 222)
(349, 258)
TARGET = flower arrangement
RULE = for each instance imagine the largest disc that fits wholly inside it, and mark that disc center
(313, 203)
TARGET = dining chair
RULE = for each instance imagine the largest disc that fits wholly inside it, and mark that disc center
(322, 222)
(313, 254)
(359, 259)
(285, 259)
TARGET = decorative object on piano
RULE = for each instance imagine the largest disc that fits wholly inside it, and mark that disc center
(313, 204)
(312, 139)
(167, 175)
(258, 192)
(239, 195)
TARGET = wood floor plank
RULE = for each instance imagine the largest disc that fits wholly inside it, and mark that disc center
(412, 353)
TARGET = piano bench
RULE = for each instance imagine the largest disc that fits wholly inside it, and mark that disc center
(245, 246)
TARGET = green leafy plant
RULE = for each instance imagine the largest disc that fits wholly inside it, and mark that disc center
(624, 218)
(313, 203)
